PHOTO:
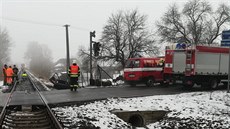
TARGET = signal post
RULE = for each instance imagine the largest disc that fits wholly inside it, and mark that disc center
(92, 34)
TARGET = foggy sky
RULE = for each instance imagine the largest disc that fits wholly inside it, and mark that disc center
(42, 21)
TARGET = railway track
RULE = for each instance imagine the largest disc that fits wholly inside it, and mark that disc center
(28, 116)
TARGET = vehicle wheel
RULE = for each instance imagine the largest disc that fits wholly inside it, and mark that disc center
(187, 84)
(150, 82)
(213, 83)
(199, 83)
(225, 84)
(204, 85)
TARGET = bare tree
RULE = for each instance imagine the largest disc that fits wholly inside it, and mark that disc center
(4, 47)
(40, 59)
(197, 23)
(124, 36)
(85, 59)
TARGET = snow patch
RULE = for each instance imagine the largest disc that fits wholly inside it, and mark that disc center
(196, 105)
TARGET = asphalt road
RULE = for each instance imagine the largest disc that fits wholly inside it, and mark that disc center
(142, 90)
(138, 91)
(100, 93)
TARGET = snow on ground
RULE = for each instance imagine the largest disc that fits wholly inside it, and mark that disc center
(187, 110)
(1, 86)
(209, 110)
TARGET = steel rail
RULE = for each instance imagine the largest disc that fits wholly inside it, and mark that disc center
(3, 112)
(53, 117)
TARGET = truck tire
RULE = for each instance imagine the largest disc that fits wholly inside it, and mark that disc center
(150, 82)
(204, 85)
(225, 84)
(188, 84)
(213, 83)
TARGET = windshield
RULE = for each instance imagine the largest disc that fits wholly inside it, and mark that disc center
(133, 64)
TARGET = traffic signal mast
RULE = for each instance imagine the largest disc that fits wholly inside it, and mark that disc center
(95, 47)
(92, 34)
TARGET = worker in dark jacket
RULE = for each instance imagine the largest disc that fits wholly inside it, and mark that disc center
(4, 74)
(15, 75)
(74, 73)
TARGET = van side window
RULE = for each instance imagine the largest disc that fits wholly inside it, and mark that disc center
(132, 64)
(149, 63)
(136, 63)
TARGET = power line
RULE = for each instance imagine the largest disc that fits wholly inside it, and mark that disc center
(79, 28)
(41, 23)
(93, 1)
(30, 21)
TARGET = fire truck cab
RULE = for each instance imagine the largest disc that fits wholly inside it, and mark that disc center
(144, 70)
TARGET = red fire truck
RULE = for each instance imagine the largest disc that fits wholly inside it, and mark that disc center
(201, 65)
(144, 70)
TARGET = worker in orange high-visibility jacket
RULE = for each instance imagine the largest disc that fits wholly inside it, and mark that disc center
(74, 73)
(9, 74)
(4, 74)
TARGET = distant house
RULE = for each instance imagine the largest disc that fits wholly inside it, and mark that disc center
(60, 65)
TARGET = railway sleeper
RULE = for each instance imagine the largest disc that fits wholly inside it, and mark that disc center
(23, 121)
(30, 125)
(34, 112)
(26, 117)
(26, 113)
(32, 128)
(50, 127)
(21, 118)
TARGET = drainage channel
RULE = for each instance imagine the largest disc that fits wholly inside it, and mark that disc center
(140, 118)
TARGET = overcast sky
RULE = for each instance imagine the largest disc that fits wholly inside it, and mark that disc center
(42, 21)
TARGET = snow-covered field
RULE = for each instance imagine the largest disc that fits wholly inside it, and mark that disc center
(195, 110)
(208, 110)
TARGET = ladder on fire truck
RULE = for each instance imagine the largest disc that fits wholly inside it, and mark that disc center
(188, 62)
(189, 65)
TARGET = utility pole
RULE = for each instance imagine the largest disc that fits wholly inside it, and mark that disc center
(92, 34)
(228, 70)
(67, 50)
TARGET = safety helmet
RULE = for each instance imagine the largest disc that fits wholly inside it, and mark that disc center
(74, 61)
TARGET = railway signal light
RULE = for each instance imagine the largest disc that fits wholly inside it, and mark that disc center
(96, 48)
(92, 34)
